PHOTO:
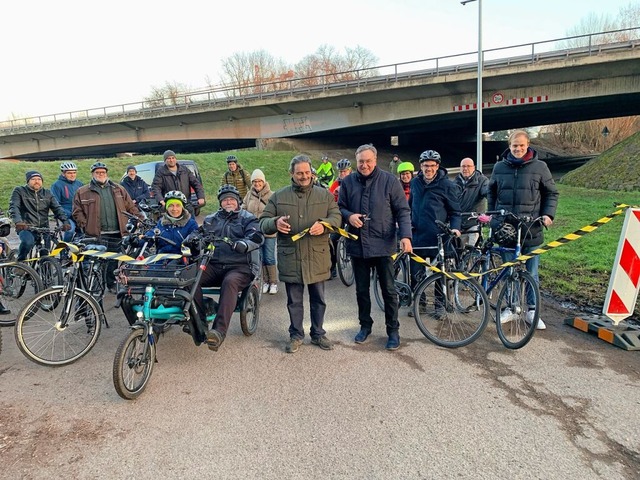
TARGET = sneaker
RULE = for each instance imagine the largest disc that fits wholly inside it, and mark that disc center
(362, 335)
(214, 339)
(294, 345)
(506, 316)
(323, 342)
(273, 289)
(265, 287)
(530, 315)
(4, 310)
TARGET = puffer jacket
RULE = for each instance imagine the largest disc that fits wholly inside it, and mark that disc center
(307, 260)
(381, 197)
(64, 191)
(524, 188)
(31, 207)
(236, 225)
(254, 202)
(86, 208)
(436, 200)
(473, 195)
(176, 231)
(239, 179)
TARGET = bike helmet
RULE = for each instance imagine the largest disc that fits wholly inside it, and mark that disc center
(175, 195)
(5, 226)
(505, 235)
(232, 158)
(314, 172)
(324, 157)
(68, 166)
(98, 165)
(405, 167)
(430, 155)
(343, 164)
(228, 191)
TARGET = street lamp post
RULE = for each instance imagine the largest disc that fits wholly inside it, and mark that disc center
(479, 99)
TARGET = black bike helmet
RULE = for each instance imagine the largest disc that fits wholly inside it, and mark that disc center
(98, 165)
(5, 226)
(175, 194)
(430, 155)
(229, 190)
(343, 164)
(232, 158)
(505, 235)
(68, 166)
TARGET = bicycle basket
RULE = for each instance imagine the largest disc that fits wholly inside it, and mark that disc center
(505, 235)
(170, 275)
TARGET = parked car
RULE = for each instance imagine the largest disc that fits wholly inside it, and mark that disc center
(147, 171)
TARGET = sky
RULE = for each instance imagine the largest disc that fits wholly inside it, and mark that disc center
(67, 55)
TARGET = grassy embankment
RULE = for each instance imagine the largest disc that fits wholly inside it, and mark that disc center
(578, 271)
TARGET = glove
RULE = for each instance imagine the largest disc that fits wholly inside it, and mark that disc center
(21, 226)
(66, 227)
(240, 246)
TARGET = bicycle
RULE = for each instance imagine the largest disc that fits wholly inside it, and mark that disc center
(518, 292)
(164, 297)
(343, 263)
(47, 267)
(62, 323)
(18, 284)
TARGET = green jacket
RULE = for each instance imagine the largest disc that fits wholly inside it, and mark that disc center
(239, 179)
(308, 259)
(325, 173)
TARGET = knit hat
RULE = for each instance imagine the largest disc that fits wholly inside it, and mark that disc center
(172, 201)
(33, 173)
(132, 167)
(258, 175)
(168, 153)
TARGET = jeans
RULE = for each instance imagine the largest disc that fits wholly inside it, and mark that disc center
(27, 241)
(268, 250)
(362, 268)
(295, 306)
(68, 235)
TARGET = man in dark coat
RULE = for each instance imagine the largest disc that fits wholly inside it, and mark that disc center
(473, 197)
(522, 184)
(135, 186)
(173, 176)
(374, 207)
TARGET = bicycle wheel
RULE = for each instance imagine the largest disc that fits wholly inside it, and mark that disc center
(515, 330)
(50, 271)
(19, 283)
(476, 262)
(55, 329)
(250, 313)
(400, 274)
(97, 280)
(133, 364)
(450, 313)
(345, 267)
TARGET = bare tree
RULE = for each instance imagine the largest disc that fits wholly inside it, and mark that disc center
(253, 72)
(170, 94)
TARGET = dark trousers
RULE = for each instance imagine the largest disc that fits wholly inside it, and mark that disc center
(231, 282)
(295, 306)
(112, 241)
(362, 268)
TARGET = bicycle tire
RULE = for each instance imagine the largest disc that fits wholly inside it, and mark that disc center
(517, 332)
(97, 281)
(452, 317)
(474, 262)
(19, 283)
(50, 271)
(250, 313)
(40, 335)
(133, 364)
(344, 264)
(400, 275)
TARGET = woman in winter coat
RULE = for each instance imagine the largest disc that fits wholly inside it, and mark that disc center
(175, 224)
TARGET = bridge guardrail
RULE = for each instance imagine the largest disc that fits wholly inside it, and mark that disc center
(225, 96)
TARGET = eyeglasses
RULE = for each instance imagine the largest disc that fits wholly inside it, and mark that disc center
(429, 166)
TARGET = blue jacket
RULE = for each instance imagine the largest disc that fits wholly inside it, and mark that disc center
(64, 190)
(176, 231)
(136, 188)
(381, 197)
(437, 200)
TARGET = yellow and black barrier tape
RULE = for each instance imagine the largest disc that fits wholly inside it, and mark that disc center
(570, 237)
(329, 227)
(158, 257)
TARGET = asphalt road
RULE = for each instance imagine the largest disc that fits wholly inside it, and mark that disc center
(566, 406)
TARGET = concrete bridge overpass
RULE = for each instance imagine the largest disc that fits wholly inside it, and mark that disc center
(430, 100)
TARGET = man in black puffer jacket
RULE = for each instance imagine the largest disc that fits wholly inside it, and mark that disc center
(522, 184)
